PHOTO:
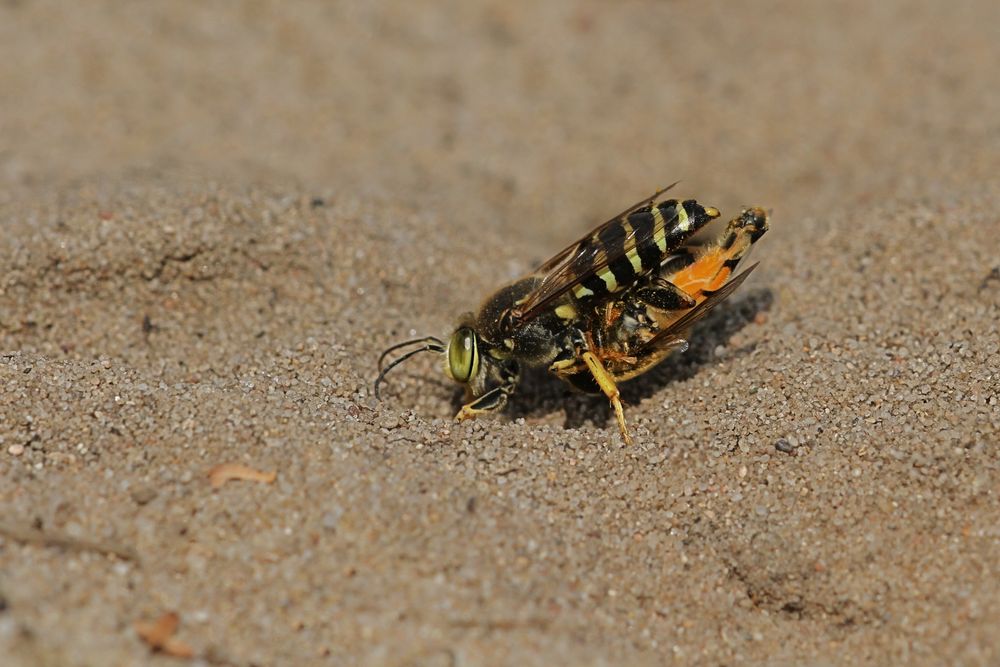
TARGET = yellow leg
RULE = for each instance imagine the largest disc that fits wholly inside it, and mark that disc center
(610, 389)
(491, 401)
(466, 413)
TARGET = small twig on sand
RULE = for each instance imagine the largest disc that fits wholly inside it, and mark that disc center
(222, 473)
(159, 635)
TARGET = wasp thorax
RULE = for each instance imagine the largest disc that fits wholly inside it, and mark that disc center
(463, 355)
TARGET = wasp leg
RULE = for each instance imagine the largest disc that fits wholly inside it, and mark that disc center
(665, 296)
(607, 385)
(493, 400)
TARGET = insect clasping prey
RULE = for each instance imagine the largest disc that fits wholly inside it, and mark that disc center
(430, 344)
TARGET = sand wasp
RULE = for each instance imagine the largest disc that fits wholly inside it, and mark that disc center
(606, 309)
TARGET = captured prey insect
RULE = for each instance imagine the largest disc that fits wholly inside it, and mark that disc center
(604, 310)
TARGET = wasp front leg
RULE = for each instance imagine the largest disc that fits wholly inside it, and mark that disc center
(493, 400)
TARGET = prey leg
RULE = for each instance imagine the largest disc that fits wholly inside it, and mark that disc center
(666, 296)
(493, 400)
(607, 385)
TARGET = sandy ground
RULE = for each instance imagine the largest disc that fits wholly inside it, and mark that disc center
(215, 216)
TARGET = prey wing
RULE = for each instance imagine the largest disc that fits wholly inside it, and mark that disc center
(675, 332)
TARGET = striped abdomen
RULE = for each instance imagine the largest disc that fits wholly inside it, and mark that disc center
(636, 244)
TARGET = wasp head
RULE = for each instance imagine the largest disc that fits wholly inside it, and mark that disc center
(464, 360)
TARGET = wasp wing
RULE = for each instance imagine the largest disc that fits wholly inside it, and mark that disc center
(674, 332)
(582, 260)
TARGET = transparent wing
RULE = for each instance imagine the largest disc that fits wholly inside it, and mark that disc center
(579, 261)
(673, 333)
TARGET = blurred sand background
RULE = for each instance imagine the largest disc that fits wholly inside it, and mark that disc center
(214, 216)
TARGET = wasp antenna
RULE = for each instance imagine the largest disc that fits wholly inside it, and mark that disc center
(434, 346)
(405, 343)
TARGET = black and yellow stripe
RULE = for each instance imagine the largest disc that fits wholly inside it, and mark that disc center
(638, 242)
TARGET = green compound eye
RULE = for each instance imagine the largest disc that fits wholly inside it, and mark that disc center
(463, 355)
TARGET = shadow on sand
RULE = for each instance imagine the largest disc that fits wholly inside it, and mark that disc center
(541, 394)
